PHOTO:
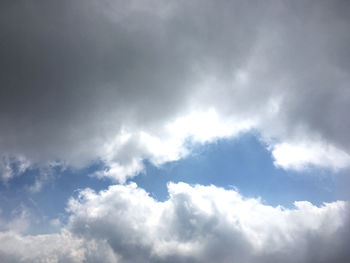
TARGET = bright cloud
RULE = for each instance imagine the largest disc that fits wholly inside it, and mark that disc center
(124, 156)
(196, 224)
(301, 156)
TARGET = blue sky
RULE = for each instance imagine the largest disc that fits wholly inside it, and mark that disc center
(242, 163)
(246, 164)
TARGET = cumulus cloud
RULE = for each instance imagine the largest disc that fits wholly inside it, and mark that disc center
(196, 224)
(301, 156)
(207, 224)
(77, 77)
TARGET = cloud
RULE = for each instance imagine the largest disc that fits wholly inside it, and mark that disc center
(62, 247)
(18, 222)
(206, 224)
(196, 224)
(301, 156)
(78, 77)
(10, 166)
(120, 82)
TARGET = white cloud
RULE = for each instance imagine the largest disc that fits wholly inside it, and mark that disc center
(124, 155)
(196, 224)
(302, 156)
(207, 224)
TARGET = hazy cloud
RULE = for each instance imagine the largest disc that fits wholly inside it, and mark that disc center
(62, 247)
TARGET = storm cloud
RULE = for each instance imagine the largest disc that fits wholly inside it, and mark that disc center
(107, 80)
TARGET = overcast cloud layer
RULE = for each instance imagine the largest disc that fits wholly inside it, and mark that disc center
(196, 224)
(124, 81)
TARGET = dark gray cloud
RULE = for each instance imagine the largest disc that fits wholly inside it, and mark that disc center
(76, 75)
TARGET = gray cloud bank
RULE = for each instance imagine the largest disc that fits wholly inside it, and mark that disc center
(196, 224)
(76, 76)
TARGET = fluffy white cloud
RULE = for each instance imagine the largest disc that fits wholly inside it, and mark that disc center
(124, 156)
(86, 74)
(206, 224)
(196, 224)
(301, 156)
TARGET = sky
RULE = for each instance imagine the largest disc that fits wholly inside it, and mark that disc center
(174, 131)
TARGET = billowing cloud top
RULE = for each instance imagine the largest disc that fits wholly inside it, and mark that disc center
(124, 81)
(196, 224)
